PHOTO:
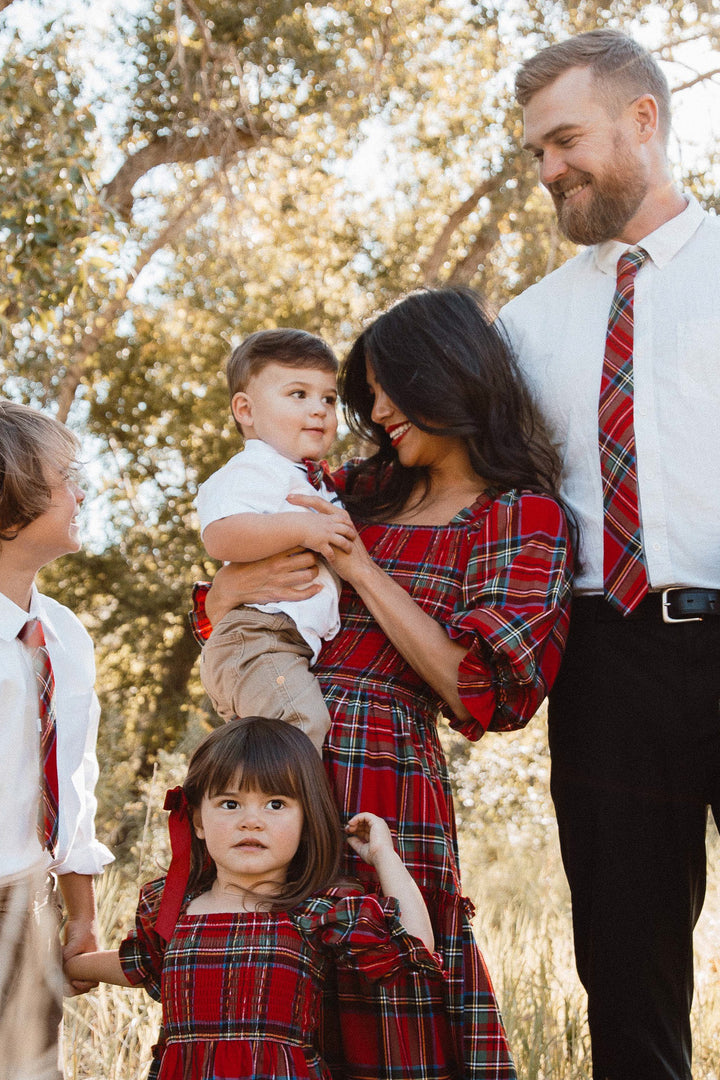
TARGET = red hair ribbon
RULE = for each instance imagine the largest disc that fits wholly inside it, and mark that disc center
(177, 877)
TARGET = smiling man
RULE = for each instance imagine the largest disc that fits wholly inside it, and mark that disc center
(620, 346)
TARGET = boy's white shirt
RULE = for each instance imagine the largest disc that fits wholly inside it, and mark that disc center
(258, 481)
(71, 655)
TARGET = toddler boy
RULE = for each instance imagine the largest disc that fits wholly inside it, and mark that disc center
(257, 661)
(48, 728)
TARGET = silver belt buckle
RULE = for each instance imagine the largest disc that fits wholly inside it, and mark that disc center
(667, 617)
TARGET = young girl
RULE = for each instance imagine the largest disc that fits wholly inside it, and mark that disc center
(240, 937)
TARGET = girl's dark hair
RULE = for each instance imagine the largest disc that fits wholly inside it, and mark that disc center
(269, 755)
(448, 368)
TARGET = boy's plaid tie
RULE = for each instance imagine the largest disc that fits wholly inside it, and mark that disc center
(624, 571)
(33, 637)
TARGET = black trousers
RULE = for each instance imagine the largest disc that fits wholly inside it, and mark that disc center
(634, 723)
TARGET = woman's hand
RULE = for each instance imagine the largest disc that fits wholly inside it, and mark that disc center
(350, 560)
(423, 642)
(287, 576)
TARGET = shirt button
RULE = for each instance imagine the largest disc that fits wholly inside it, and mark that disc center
(280, 680)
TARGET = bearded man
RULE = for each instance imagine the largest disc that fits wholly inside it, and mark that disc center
(621, 346)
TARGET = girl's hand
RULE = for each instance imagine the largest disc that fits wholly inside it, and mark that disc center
(349, 561)
(370, 837)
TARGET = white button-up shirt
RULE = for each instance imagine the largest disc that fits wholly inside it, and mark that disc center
(71, 655)
(558, 328)
(257, 481)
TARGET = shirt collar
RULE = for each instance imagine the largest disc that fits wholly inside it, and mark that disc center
(662, 245)
(13, 618)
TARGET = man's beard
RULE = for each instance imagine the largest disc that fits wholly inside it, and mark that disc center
(611, 201)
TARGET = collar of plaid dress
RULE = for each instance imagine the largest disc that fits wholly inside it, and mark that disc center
(176, 882)
(318, 473)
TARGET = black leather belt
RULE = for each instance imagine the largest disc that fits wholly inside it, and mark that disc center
(689, 605)
(674, 605)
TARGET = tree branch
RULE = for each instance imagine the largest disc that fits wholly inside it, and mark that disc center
(696, 80)
(106, 317)
(430, 269)
(220, 139)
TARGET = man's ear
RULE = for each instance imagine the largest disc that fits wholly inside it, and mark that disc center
(645, 113)
(241, 406)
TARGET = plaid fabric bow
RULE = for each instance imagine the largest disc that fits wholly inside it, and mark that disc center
(33, 638)
(318, 473)
(624, 574)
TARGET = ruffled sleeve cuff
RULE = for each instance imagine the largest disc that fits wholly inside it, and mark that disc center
(517, 615)
(199, 622)
(143, 950)
(364, 933)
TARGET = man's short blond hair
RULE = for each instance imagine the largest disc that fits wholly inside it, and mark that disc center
(32, 444)
(622, 69)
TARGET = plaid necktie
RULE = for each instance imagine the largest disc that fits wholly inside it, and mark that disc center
(33, 637)
(624, 571)
(318, 472)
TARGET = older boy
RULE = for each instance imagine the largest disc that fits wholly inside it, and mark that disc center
(257, 661)
(48, 727)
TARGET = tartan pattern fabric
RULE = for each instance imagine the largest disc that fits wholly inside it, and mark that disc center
(318, 473)
(624, 574)
(241, 992)
(33, 638)
(499, 578)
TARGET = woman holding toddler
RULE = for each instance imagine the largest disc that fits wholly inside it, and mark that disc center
(455, 600)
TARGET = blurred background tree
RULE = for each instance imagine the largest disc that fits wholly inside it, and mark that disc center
(176, 175)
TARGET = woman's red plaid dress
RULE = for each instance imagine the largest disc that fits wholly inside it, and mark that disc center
(498, 577)
(242, 993)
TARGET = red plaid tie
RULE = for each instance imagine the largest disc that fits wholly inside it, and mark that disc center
(33, 637)
(624, 571)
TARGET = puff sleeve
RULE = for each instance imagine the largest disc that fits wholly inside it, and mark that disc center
(364, 933)
(513, 613)
(143, 950)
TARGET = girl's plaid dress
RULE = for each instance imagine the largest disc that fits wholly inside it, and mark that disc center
(242, 993)
(498, 577)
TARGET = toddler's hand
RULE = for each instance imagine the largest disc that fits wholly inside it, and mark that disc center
(370, 837)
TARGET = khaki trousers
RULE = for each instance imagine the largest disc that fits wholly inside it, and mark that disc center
(256, 663)
(31, 979)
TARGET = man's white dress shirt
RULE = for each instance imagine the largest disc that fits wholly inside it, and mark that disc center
(558, 328)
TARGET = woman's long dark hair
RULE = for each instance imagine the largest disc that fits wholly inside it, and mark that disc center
(269, 755)
(447, 367)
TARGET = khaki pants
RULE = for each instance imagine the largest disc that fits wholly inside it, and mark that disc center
(256, 663)
(31, 980)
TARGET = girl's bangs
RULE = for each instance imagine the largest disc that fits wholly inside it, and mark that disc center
(256, 766)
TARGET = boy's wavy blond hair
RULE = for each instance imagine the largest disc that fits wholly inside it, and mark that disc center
(33, 446)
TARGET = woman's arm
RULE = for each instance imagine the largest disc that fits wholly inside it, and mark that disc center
(370, 837)
(422, 641)
(287, 576)
(96, 967)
